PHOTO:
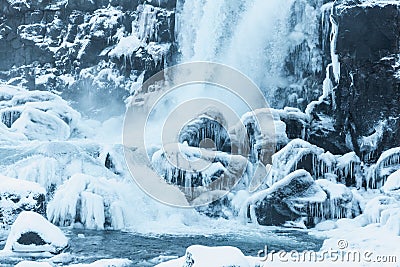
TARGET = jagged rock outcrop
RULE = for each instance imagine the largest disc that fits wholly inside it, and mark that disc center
(99, 51)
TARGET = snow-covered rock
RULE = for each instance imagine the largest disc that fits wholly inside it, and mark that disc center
(36, 115)
(202, 256)
(197, 131)
(348, 170)
(286, 200)
(32, 233)
(16, 196)
(258, 136)
(105, 263)
(33, 264)
(392, 184)
(296, 122)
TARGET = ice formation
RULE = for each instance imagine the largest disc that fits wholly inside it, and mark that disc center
(297, 154)
(188, 167)
(257, 135)
(197, 131)
(339, 203)
(93, 202)
(387, 163)
(32, 233)
(348, 170)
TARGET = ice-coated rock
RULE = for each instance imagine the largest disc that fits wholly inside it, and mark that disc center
(388, 162)
(339, 203)
(207, 132)
(93, 202)
(18, 195)
(257, 136)
(286, 200)
(298, 154)
(189, 167)
(35, 115)
(32, 233)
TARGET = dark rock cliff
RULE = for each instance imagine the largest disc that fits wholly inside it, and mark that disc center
(363, 104)
(67, 46)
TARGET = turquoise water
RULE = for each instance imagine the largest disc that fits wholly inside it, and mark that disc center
(148, 250)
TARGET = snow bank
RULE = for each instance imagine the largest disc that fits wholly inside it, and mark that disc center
(105, 263)
(377, 205)
(201, 256)
(33, 264)
(33, 233)
(39, 125)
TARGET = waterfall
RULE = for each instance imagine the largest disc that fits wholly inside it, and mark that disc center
(257, 37)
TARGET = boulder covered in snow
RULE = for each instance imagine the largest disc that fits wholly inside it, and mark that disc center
(18, 195)
(258, 134)
(297, 122)
(36, 115)
(286, 200)
(202, 256)
(392, 184)
(32, 233)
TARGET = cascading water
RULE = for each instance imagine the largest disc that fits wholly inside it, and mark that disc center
(257, 37)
